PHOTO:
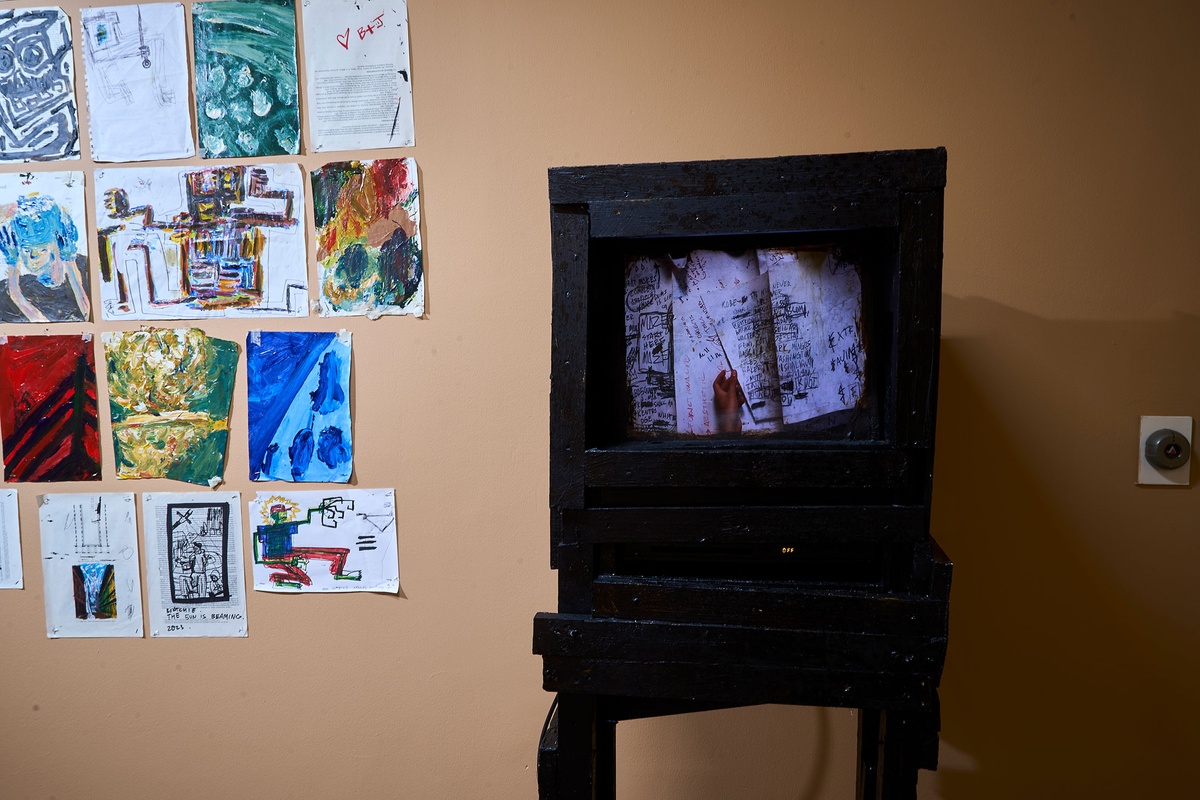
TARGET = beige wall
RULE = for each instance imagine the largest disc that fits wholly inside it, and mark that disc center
(1072, 294)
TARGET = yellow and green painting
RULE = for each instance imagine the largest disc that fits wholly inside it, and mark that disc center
(169, 392)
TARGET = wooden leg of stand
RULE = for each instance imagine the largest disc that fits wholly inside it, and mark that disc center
(547, 766)
(868, 754)
(898, 767)
(606, 759)
(576, 773)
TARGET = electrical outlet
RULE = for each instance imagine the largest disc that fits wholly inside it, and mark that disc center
(1155, 476)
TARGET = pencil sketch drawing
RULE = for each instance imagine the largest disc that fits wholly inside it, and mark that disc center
(90, 565)
(135, 62)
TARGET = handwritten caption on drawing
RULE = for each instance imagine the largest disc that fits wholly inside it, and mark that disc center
(344, 38)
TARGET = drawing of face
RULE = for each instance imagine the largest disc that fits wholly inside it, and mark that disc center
(39, 226)
(33, 72)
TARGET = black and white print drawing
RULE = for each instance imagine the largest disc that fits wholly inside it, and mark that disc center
(195, 584)
(198, 543)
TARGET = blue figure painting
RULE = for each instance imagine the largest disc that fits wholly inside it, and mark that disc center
(45, 276)
(299, 406)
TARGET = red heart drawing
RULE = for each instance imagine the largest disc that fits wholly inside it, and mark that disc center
(344, 39)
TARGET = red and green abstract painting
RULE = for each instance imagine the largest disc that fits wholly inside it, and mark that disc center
(48, 408)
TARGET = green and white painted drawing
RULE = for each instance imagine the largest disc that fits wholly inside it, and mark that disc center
(246, 90)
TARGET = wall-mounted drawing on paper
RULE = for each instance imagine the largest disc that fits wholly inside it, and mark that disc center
(11, 574)
(356, 66)
(169, 394)
(135, 62)
(194, 564)
(42, 239)
(95, 590)
(328, 541)
(246, 88)
(90, 565)
(299, 406)
(189, 243)
(762, 341)
(369, 238)
(38, 117)
(49, 414)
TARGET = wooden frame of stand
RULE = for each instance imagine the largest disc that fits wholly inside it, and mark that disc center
(636, 637)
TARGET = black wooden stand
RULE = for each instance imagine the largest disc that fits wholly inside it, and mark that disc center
(702, 645)
(699, 572)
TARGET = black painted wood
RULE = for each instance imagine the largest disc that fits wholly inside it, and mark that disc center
(575, 772)
(727, 683)
(741, 524)
(569, 228)
(880, 469)
(920, 297)
(547, 763)
(869, 747)
(767, 605)
(586, 637)
(712, 573)
(851, 172)
(732, 216)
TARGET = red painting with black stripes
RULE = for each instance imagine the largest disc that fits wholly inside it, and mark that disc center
(48, 408)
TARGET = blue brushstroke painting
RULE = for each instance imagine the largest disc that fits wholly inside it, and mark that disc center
(299, 406)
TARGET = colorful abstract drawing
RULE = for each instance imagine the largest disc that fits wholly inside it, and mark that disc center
(38, 119)
(169, 397)
(135, 58)
(299, 406)
(353, 532)
(90, 565)
(45, 275)
(188, 243)
(95, 590)
(48, 409)
(369, 238)
(246, 89)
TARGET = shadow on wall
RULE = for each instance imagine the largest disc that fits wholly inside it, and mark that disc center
(1075, 637)
(764, 752)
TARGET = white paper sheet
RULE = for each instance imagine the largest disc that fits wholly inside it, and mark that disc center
(11, 576)
(743, 318)
(89, 554)
(699, 353)
(202, 242)
(136, 67)
(698, 359)
(357, 70)
(325, 541)
(194, 578)
(817, 302)
(648, 344)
